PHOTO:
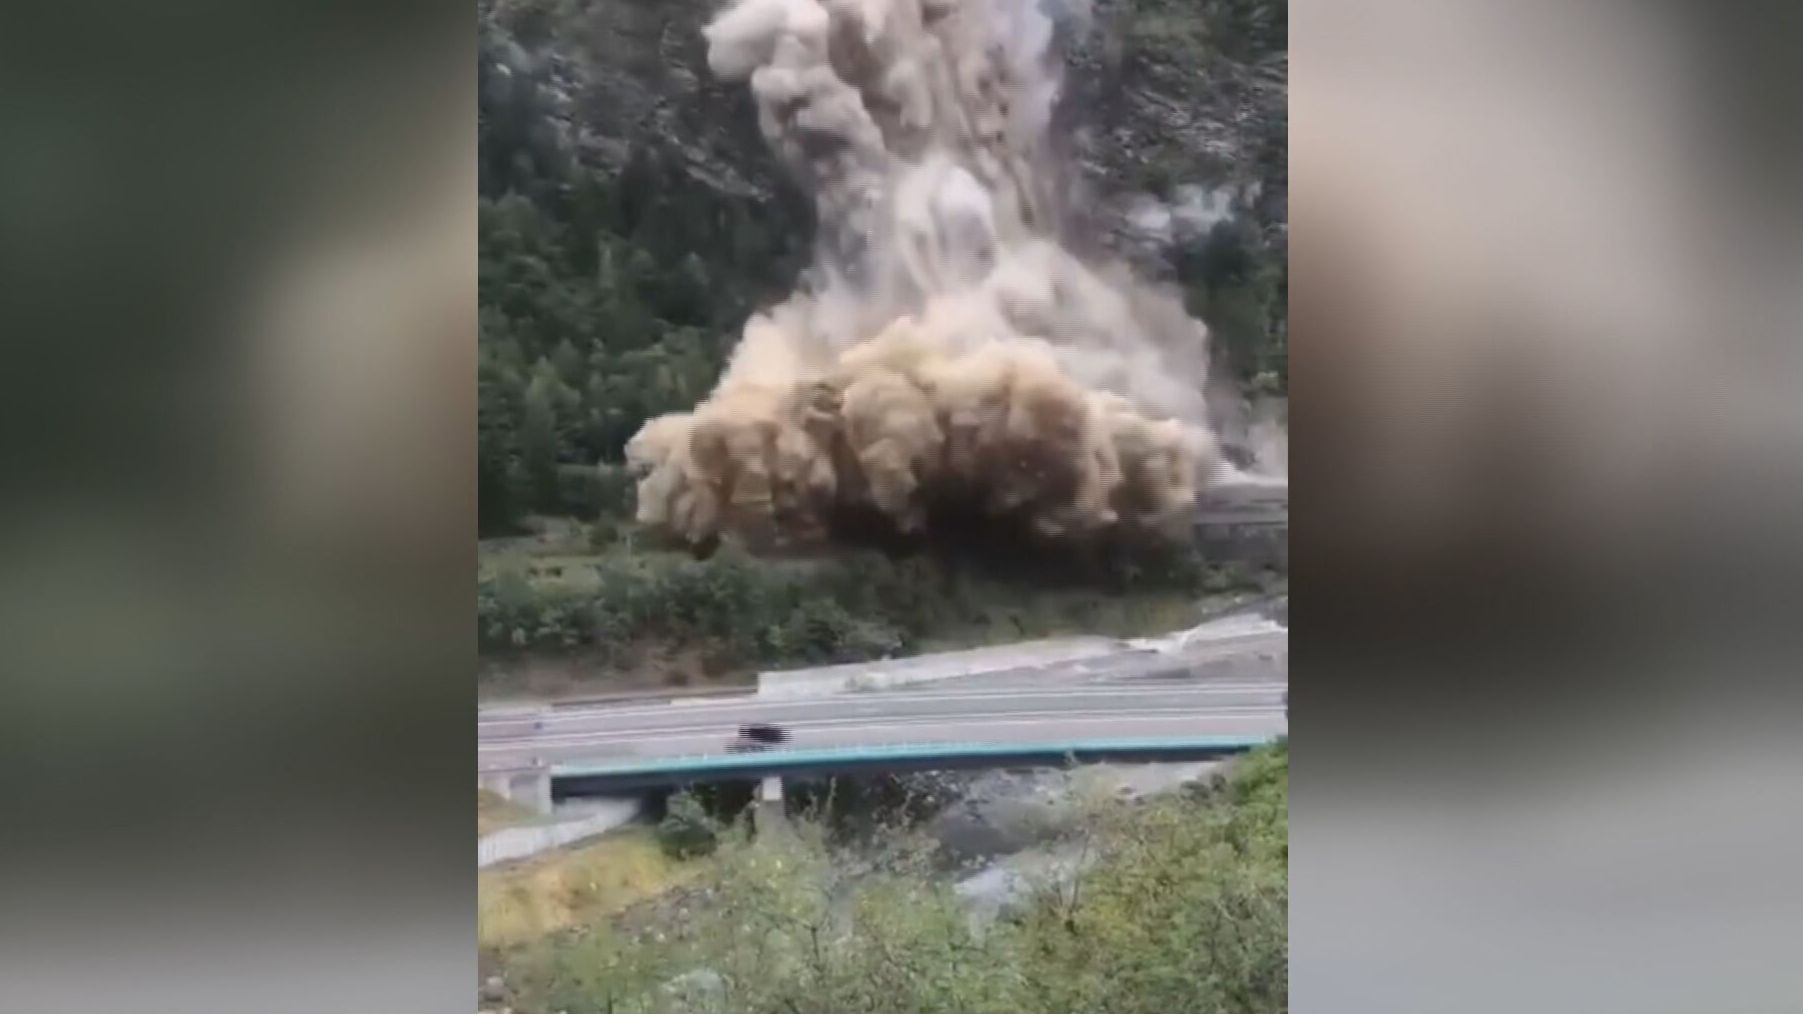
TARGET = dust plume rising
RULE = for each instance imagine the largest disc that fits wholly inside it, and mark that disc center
(945, 351)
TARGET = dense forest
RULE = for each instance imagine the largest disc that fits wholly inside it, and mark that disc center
(630, 219)
(604, 300)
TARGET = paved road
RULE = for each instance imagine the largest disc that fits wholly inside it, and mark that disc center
(1205, 686)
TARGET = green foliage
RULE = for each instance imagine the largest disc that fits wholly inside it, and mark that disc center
(820, 630)
(1189, 913)
(736, 612)
(538, 437)
(1215, 59)
(1247, 30)
(686, 830)
(1200, 31)
(585, 334)
(1183, 908)
(1238, 283)
(605, 297)
(591, 492)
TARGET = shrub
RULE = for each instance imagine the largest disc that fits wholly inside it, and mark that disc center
(591, 492)
(686, 830)
(859, 606)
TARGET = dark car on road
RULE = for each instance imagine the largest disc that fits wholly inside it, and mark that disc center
(758, 736)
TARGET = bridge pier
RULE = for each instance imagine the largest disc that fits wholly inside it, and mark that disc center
(768, 815)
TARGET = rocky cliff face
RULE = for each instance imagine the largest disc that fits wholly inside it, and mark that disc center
(1178, 114)
(609, 78)
(1174, 113)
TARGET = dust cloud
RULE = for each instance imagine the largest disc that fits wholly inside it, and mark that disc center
(945, 350)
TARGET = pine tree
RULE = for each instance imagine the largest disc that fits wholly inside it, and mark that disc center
(538, 442)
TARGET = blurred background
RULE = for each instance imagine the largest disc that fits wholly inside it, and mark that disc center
(1545, 466)
(235, 622)
(1546, 474)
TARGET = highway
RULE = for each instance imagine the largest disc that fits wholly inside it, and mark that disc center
(1226, 679)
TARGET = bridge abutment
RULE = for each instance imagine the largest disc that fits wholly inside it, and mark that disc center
(529, 787)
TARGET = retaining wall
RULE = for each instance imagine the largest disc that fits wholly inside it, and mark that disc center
(519, 842)
(836, 679)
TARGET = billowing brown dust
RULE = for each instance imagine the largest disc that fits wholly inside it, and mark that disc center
(945, 348)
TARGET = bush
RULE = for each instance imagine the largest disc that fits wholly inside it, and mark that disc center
(686, 830)
(591, 492)
(603, 532)
(741, 612)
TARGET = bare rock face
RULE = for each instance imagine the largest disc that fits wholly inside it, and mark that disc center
(604, 79)
(1178, 115)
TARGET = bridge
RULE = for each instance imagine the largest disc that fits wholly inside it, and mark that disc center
(1216, 689)
(604, 778)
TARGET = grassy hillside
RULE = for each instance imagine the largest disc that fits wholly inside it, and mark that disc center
(554, 893)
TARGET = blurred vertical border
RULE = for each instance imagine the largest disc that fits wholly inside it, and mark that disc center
(237, 243)
(1546, 472)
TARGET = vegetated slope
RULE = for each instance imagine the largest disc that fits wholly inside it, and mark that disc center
(555, 617)
(1182, 909)
(567, 889)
